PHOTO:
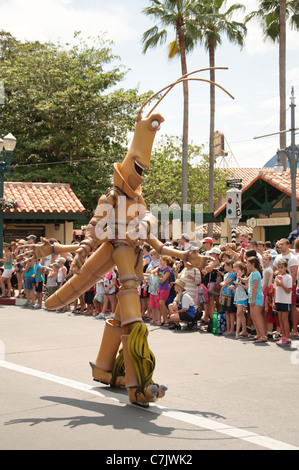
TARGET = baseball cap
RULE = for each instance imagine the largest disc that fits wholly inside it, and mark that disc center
(208, 240)
(185, 237)
(31, 236)
(215, 250)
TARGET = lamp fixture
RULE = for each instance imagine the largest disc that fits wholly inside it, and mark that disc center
(278, 167)
(9, 142)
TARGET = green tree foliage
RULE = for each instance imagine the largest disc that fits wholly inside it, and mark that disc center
(65, 107)
(269, 16)
(163, 180)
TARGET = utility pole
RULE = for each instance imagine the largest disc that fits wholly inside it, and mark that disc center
(292, 154)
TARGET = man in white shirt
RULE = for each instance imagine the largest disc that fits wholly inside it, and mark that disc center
(293, 263)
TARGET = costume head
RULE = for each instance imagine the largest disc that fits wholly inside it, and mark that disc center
(128, 174)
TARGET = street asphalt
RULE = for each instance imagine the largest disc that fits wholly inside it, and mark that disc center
(223, 393)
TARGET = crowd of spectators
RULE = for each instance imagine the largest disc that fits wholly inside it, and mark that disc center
(253, 284)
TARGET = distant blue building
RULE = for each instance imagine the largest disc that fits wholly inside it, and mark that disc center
(272, 161)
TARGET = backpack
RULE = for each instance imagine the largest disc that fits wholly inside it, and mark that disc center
(202, 294)
(109, 276)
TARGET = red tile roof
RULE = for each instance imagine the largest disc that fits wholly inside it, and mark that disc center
(242, 229)
(43, 198)
(250, 175)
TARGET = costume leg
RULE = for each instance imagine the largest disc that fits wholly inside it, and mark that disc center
(139, 360)
(106, 368)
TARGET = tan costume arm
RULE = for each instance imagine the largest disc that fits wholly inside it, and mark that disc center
(43, 249)
(191, 257)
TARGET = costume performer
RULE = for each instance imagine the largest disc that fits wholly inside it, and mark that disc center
(121, 219)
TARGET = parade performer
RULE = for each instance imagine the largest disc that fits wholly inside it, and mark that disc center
(113, 237)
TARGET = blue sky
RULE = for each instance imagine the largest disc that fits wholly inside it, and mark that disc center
(252, 77)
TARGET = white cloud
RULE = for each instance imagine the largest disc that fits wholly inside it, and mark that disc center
(293, 77)
(200, 107)
(252, 77)
(269, 104)
(231, 110)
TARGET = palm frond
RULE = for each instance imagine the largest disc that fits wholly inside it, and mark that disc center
(173, 49)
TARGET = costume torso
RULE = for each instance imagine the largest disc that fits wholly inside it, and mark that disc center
(127, 214)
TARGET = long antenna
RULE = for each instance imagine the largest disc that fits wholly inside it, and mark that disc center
(182, 79)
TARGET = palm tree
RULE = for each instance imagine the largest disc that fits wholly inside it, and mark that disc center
(273, 16)
(213, 21)
(175, 15)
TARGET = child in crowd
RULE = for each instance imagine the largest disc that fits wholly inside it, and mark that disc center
(39, 282)
(267, 280)
(29, 289)
(110, 291)
(283, 300)
(227, 297)
(89, 296)
(271, 314)
(51, 284)
(153, 285)
(62, 272)
(256, 299)
(99, 299)
(267, 271)
(163, 272)
(241, 298)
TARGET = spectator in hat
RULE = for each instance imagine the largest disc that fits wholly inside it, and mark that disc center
(183, 307)
(29, 289)
(207, 243)
(192, 278)
(31, 239)
(61, 276)
(184, 242)
(51, 284)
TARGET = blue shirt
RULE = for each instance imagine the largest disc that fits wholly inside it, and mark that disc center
(232, 276)
(37, 268)
(188, 304)
(259, 296)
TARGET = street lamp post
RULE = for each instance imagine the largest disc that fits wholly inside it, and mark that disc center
(7, 146)
(292, 155)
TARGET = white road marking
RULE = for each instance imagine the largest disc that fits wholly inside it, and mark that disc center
(198, 421)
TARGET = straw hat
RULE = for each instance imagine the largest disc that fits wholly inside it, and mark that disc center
(180, 283)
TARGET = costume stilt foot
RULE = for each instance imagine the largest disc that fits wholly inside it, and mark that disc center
(100, 375)
(139, 365)
(107, 369)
